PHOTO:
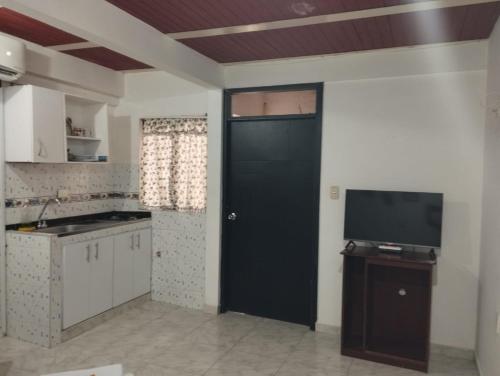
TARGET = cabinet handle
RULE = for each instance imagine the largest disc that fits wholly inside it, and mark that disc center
(132, 244)
(402, 292)
(138, 241)
(88, 252)
(97, 251)
(40, 147)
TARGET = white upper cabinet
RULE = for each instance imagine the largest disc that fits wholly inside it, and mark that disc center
(48, 126)
(34, 124)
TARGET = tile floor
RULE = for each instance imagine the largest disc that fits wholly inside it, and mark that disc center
(163, 340)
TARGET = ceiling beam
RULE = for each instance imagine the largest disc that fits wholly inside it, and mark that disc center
(61, 71)
(73, 46)
(327, 18)
(91, 20)
(374, 64)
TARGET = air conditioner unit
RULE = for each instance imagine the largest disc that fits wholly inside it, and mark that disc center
(12, 59)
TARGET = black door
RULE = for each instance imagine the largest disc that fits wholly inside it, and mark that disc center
(271, 217)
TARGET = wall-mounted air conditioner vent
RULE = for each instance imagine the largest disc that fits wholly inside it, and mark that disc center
(12, 59)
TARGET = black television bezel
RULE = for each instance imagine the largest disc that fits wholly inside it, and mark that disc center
(389, 241)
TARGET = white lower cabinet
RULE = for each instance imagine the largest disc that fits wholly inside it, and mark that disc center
(123, 281)
(104, 273)
(87, 280)
(132, 272)
(142, 263)
(76, 277)
(101, 276)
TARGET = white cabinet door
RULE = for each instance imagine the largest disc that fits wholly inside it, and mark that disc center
(142, 263)
(123, 273)
(76, 274)
(101, 276)
(48, 126)
(34, 124)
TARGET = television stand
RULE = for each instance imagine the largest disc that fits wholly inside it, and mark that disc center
(386, 309)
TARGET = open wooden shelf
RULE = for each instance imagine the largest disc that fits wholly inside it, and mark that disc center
(91, 116)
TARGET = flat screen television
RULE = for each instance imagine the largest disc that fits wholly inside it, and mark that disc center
(402, 218)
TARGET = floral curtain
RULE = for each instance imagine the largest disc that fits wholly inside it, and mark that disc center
(173, 164)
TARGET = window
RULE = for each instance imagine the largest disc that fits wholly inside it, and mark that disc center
(269, 103)
(173, 163)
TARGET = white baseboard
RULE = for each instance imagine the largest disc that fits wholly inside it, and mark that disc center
(213, 310)
(436, 349)
(478, 365)
(326, 328)
(452, 352)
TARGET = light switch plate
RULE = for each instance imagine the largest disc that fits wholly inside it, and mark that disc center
(63, 193)
(334, 192)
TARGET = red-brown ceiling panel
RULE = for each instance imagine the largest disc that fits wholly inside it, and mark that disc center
(29, 29)
(170, 16)
(433, 26)
(107, 58)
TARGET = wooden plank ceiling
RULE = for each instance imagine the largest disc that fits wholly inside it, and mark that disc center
(172, 16)
(408, 29)
(445, 24)
(453, 24)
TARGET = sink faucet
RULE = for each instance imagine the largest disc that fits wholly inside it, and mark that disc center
(42, 223)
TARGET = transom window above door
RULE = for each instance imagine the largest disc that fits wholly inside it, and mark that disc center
(273, 103)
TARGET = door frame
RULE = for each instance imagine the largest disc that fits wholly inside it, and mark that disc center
(227, 118)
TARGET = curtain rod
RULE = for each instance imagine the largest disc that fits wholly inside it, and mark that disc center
(177, 116)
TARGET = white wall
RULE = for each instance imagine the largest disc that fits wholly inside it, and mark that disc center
(178, 276)
(153, 94)
(488, 349)
(420, 133)
(393, 62)
(214, 201)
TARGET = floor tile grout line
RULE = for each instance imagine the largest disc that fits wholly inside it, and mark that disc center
(229, 350)
(289, 355)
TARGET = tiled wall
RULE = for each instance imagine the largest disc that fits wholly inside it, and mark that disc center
(179, 272)
(93, 189)
(179, 258)
(28, 295)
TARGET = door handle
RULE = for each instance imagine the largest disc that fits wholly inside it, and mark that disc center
(88, 253)
(97, 251)
(138, 241)
(232, 216)
(132, 244)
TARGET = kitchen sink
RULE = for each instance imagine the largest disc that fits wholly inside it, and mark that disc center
(78, 228)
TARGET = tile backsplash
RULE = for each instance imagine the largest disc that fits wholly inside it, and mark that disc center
(92, 188)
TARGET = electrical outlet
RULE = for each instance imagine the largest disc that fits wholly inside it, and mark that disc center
(334, 192)
(498, 323)
(63, 193)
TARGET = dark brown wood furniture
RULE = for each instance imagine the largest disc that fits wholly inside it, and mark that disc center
(386, 311)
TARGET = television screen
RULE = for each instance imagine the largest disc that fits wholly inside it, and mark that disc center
(406, 218)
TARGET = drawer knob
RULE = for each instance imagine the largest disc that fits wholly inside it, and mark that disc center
(402, 292)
